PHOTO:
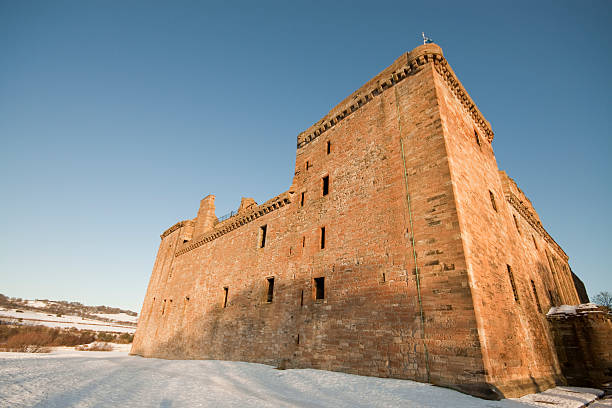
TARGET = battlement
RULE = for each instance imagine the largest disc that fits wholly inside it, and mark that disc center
(406, 65)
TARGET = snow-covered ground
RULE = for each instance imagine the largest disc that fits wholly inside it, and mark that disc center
(68, 378)
(51, 320)
(118, 317)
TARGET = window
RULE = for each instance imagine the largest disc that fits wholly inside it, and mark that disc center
(493, 200)
(270, 290)
(535, 244)
(535, 295)
(302, 198)
(516, 224)
(477, 138)
(302, 298)
(164, 307)
(325, 185)
(328, 147)
(303, 242)
(225, 291)
(308, 165)
(511, 276)
(322, 237)
(319, 288)
(297, 340)
(262, 235)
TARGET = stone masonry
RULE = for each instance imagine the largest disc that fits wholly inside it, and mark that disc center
(400, 250)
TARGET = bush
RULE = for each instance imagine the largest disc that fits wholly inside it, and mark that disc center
(96, 346)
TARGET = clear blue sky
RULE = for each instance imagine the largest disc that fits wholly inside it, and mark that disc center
(117, 117)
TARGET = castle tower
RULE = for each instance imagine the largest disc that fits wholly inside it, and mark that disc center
(400, 251)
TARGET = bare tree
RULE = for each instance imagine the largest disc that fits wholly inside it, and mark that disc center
(603, 299)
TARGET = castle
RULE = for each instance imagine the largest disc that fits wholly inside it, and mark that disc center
(400, 250)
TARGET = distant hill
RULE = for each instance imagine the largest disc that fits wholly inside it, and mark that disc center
(62, 307)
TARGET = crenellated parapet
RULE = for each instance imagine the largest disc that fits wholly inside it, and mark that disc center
(236, 221)
(408, 64)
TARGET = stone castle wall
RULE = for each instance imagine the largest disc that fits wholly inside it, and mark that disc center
(414, 259)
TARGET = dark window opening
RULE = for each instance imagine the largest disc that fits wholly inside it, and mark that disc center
(308, 165)
(297, 340)
(516, 224)
(270, 290)
(302, 199)
(164, 307)
(493, 200)
(185, 240)
(535, 244)
(319, 288)
(322, 237)
(477, 138)
(302, 298)
(383, 278)
(325, 185)
(303, 242)
(535, 295)
(290, 250)
(511, 276)
(328, 147)
(187, 298)
(262, 235)
(225, 291)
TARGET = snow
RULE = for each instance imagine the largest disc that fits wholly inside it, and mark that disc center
(37, 303)
(119, 317)
(69, 378)
(572, 309)
(50, 320)
(562, 397)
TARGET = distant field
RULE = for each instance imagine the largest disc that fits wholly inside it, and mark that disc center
(51, 320)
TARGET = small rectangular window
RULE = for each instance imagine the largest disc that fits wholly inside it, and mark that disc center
(477, 138)
(493, 200)
(225, 292)
(511, 276)
(535, 295)
(302, 298)
(164, 307)
(319, 288)
(270, 290)
(322, 237)
(535, 244)
(325, 185)
(262, 235)
(303, 242)
(516, 224)
(328, 147)
(302, 199)
(308, 165)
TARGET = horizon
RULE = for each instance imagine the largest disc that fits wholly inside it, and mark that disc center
(116, 119)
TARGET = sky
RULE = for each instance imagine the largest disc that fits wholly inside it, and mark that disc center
(117, 117)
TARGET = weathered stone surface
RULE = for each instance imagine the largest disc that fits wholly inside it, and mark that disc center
(415, 257)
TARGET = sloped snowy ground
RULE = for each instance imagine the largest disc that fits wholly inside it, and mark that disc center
(67, 378)
(50, 320)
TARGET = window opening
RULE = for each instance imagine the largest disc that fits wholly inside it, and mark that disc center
(325, 185)
(262, 235)
(535, 244)
(270, 290)
(164, 307)
(303, 242)
(477, 137)
(308, 165)
(302, 199)
(535, 294)
(493, 200)
(319, 288)
(302, 298)
(225, 292)
(511, 276)
(328, 147)
(297, 340)
(322, 237)
(516, 223)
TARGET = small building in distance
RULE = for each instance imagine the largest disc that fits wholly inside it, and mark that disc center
(400, 250)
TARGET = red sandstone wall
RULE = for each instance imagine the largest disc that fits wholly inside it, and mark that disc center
(518, 351)
(370, 320)
(366, 324)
